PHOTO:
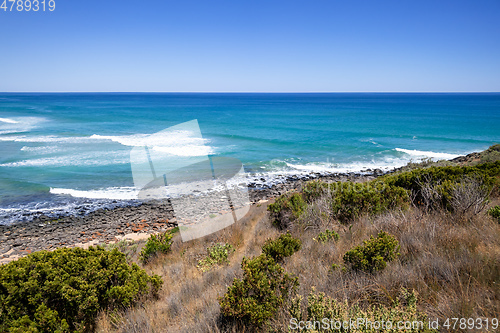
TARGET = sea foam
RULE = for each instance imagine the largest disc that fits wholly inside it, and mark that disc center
(114, 193)
(427, 154)
(178, 143)
(8, 121)
(19, 124)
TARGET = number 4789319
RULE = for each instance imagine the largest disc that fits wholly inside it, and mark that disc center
(28, 5)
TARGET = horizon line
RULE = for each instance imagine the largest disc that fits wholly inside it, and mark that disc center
(249, 92)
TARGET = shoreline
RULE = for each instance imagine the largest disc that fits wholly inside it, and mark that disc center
(105, 226)
(136, 222)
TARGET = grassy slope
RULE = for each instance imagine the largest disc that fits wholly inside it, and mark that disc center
(454, 266)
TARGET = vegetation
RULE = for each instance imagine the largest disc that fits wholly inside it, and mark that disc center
(284, 246)
(63, 290)
(447, 255)
(463, 190)
(256, 298)
(127, 247)
(495, 212)
(491, 154)
(327, 235)
(434, 187)
(347, 200)
(315, 189)
(351, 200)
(320, 306)
(216, 255)
(374, 254)
(286, 208)
(155, 244)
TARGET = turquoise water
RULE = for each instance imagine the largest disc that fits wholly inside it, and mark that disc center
(61, 151)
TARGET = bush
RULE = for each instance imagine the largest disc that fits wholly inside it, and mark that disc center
(127, 247)
(63, 290)
(216, 255)
(492, 154)
(328, 235)
(469, 195)
(155, 244)
(314, 190)
(286, 208)
(374, 254)
(320, 306)
(256, 298)
(351, 200)
(284, 246)
(443, 180)
(495, 212)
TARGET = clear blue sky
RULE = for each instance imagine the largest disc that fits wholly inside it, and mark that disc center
(254, 46)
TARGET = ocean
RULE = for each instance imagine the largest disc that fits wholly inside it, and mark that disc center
(69, 153)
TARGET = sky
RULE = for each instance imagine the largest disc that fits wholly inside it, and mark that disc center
(252, 46)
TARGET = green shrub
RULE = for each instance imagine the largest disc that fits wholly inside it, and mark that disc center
(63, 290)
(320, 306)
(284, 246)
(155, 244)
(256, 297)
(495, 212)
(327, 236)
(374, 254)
(216, 255)
(127, 247)
(314, 189)
(492, 154)
(286, 208)
(351, 200)
(443, 180)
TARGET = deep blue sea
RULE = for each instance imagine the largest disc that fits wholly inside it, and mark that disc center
(59, 152)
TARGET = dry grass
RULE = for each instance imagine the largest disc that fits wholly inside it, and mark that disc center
(188, 300)
(454, 266)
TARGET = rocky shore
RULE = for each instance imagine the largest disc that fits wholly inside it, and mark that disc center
(135, 222)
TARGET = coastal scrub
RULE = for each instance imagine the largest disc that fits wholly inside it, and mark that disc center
(64, 290)
(257, 297)
(216, 255)
(374, 254)
(155, 244)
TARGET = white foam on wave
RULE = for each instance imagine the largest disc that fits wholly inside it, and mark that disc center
(370, 140)
(8, 121)
(280, 170)
(361, 167)
(44, 149)
(179, 143)
(47, 139)
(87, 159)
(427, 154)
(113, 193)
(37, 209)
(19, 124)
